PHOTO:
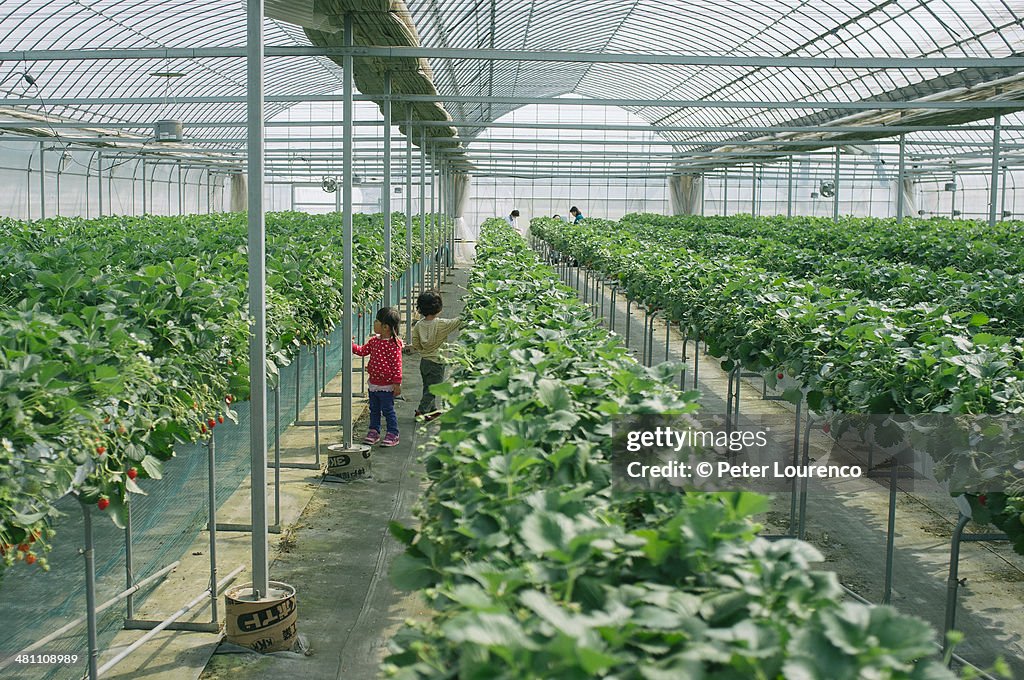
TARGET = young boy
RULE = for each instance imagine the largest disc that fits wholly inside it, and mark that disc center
(428, 335)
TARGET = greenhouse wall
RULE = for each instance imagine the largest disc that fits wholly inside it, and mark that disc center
(71, 186)
(604, 198)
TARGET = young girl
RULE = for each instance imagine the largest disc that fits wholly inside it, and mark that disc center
(385, 372)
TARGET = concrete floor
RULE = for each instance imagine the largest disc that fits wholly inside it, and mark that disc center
(338, 555)
(847, 521)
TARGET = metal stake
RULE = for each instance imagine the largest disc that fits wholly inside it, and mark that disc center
(90, 593)
(212, 526)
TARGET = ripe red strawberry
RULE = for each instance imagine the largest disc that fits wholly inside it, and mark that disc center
(229, 399)
(30, 559)
(132, 473)
(103, 503)
(212, 423)
(34, 536)
(780, 376)
(826, 428)
(101, 450)
(24, 547)
(983, 499)
(220, 419)
(202, 428)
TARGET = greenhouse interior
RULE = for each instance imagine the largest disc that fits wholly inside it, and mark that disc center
(640, 340)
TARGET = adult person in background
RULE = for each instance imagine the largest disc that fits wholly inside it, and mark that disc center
(575, 215)
(513, 219)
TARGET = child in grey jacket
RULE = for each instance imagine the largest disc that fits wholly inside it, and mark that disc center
(428, 336)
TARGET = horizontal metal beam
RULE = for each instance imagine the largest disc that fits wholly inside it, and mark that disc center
(709, 103)
(883, 63)
(1000, 104)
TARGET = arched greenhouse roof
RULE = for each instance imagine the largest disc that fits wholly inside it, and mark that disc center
(697, 106)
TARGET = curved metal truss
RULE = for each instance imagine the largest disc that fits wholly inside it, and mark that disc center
(986, 29)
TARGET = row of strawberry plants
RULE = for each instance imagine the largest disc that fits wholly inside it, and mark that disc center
(123, 336)
(852, 354)
(997, 294)
(969, 246)
(534, 568)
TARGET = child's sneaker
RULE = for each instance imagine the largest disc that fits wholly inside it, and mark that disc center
(371, 438)
(390, 439)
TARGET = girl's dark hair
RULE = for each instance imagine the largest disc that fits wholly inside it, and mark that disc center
(574, 210)
(390, 318)
(429, 302)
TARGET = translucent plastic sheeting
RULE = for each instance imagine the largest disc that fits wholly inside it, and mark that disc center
(71, 186)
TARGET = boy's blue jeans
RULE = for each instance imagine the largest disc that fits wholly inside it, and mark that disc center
(383, 402)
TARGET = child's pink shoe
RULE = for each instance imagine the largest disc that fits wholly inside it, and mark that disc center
(371, 438)
(390, 439)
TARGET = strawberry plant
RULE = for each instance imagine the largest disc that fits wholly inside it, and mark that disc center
(123, 336)
(534, 568)
(853, 354)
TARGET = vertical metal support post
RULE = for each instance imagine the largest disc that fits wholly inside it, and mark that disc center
(611, 309)
(696, 359)
(346, 332)
(643, 339)
(900, 201)
(316, 404)
(408, 226)
(725, 194)
(433, 222)
(753, 190)
(682, 358)
(277, 456)
(144, 193)
(953, 581)
(90, 593)
(212, 526)
(668, 338)
(789, 190)
(298, 385)
(385, 203)
(42, 179)
(181, 192)
(363, 333)
(323, 365)
(802, 520)
(257, 297)
(129, 562)
(890, 536)
(796, 460)
(835, 197)
(629, 319)
(423, 209)
(99, 181)
(994, 188)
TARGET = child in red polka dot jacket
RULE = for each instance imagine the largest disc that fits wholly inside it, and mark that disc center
(385, 373)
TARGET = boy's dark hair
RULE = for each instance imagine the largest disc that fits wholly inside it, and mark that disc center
(515, 213)
(429, 302)
(390, 318)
